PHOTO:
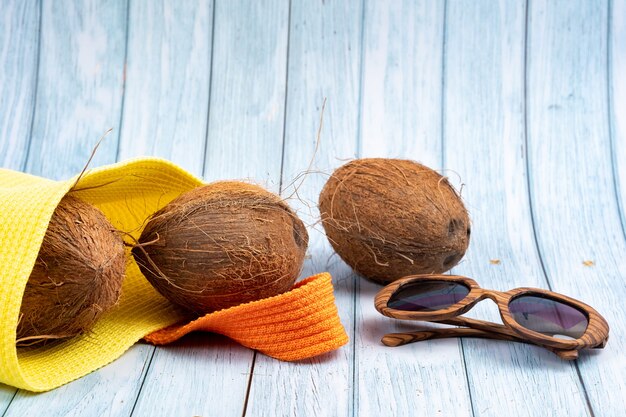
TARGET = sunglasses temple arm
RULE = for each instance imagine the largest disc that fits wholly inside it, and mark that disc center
(472, 328)
(505, 333)
(483, 325)
(399, 339)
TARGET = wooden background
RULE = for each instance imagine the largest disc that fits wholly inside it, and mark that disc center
(521, 103)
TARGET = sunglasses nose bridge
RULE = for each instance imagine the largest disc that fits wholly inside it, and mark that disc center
(498, 297)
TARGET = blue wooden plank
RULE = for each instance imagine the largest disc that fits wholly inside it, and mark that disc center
(79, 91)
(401, 83)
(6, 396)
(19, 42)
(324, 61)
(167, 81)
(401, 105)
(247, 91)
(200, 375)
(617, 97)
(484, 140)
(571, 182)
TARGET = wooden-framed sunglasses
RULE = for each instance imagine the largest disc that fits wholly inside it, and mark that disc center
(554, 321)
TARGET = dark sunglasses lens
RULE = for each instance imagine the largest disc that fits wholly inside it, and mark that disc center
(427, 295)
(549, 316)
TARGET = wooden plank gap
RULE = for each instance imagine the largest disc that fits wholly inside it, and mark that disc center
(611, 116)
(32, 120)
(526, 151)
(359, 124)
(282, 153)
(356, 289)
(585, 393)
(206, 133)
(442, 114)
(123, 99)
(247, 397)
(144, 375)
(466, 373)
(4, 412)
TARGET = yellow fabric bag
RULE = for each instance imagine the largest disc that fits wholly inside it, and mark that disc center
(127, 193)
(298, 324)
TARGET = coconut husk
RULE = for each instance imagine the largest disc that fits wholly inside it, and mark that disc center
(221, 245)
(388, 218)
(77, 276)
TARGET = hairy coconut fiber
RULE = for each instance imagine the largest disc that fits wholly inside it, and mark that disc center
(77, 276)
(388, 218)
(221, 245)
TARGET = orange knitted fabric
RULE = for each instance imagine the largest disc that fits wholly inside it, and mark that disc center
(295, 325)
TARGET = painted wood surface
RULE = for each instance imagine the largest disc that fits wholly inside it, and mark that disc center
(571, 181)
(401, 80)
(617, 97)
(484, 115)
(521, 103)
(401, 117)
(324, 62)
(247, 104)
(79, 85)
(168, 71)
(19, 55)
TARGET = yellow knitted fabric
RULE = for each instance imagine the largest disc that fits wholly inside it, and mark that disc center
(127, 193)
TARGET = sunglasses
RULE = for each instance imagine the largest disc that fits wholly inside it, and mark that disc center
(554, 321)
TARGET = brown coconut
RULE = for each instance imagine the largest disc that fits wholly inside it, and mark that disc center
(77, 276)
(388, 218)
(221, 245)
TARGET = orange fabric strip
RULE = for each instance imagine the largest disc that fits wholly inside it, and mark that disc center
(298, 324)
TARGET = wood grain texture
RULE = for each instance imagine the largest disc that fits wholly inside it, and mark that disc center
(571, 183)
(19, 43)
(617, 96)
(108, 392)
(79, 89)
(324, 61)
(167, 81)
(484, 115)
(6, 396)
(381, 65)
(595, 335)
(200, 375)
(401, 80)
(402, 57)
(246, 108)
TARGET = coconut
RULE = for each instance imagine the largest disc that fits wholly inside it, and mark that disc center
(221, 245)
(77, 275)
(388, 218)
